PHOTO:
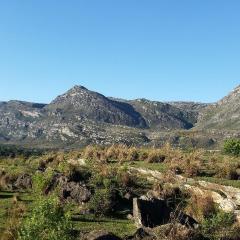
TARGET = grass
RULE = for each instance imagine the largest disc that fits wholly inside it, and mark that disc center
(6, 202)
(118, 226)
(231, 183)
(161, 167)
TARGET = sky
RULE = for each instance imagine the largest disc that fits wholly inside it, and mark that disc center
(156, 49)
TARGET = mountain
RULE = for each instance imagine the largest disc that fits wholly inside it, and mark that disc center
(79, 103)
(80, 116)
(167, 116)
(223, 115)
(17, 117)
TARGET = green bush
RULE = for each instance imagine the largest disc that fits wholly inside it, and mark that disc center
(104, 199)
(41, 180)
(102, 202)
(220, 226)
(47, 221)
(232, 146)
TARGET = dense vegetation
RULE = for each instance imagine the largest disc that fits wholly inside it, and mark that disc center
(232, 146)
(66, 195)
(13, 151)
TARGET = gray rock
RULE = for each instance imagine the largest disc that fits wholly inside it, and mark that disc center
(75, 191)
(101, 235)
(141, 234)
(23, 181)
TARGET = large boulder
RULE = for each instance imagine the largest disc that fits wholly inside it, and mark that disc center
(23, 181)
(176, 231)
(100, 235)
(226, 198)
(141, 234)
(75, 191)
(69, 190)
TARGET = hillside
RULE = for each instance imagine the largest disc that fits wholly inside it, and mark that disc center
(223, 115)
(80, 116)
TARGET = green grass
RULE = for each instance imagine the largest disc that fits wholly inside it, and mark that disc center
(118, 226)
(161, 167)
(6, 202)
(231, 183)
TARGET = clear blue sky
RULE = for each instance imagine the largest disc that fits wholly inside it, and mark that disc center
(157, 49)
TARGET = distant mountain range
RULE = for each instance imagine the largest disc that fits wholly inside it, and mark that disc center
(80, 117)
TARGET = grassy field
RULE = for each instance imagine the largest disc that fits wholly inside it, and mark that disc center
(212, 167)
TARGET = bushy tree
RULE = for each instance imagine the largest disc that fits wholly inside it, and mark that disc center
(47, 221)
(104, 199)
(232, 146)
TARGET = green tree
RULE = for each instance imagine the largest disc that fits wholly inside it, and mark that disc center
(232, 146)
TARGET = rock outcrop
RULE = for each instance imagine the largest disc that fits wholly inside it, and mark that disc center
(227, 198)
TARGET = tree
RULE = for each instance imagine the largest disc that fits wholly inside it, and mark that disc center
(232, 146)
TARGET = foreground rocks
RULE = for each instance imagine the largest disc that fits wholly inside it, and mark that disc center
(227, 198)
(100, 235)
(75, 191)
(169, 231)
(23, 181)
(69, 190)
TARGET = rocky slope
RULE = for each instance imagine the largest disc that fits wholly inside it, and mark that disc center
(168, 116)
(223, 115)
(79, 104)
(80, 116)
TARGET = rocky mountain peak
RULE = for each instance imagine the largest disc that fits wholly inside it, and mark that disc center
(75, 95)
(78, 88)
(231, 97)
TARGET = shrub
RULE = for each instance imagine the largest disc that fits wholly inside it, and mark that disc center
(155, 156)
(106, 189)
(201, 207)
(220, 225)
(228, 169)
(41, 181)
(232, 146)
(47, 221)
(188, 164)
(7, 179)
(102, 202)
(14, 216)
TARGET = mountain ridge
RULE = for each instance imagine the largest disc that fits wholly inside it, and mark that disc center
(81, 116)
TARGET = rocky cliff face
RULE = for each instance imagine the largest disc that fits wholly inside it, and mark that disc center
(168, 116)
(81, 116)
(223, 115)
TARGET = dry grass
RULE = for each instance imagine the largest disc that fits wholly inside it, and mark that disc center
(200, 207)
(228, 169)
(14, 216)
(189, 164)
(123, 153)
